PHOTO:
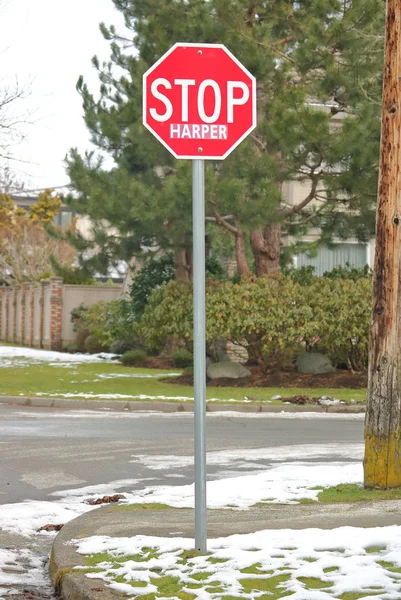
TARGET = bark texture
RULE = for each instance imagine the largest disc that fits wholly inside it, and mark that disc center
(240, 255)
(183, 265)
(382, 462)
(266, 245)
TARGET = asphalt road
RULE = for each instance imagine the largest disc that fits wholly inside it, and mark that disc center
(46, 450)
(43, 451)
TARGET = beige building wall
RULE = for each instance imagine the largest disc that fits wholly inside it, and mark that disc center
(11, 312)
(74, 295)
(4, 319)
(18, 315)
(37, 333)
(46, 315)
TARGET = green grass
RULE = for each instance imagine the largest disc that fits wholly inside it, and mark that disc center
(31, 379)
(314, 583)
(352, 492)
(254, 581)
(271, 585)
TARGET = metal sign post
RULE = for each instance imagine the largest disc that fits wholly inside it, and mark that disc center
(198, 225)
(199, 100)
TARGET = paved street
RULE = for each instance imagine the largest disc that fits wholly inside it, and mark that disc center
(43, 450)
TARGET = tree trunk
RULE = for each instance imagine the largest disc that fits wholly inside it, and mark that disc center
(266, 249)
(382, 462)
(183, 265)
(240, 255)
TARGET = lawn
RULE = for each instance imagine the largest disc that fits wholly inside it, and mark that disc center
(266, 565)
(25, 377)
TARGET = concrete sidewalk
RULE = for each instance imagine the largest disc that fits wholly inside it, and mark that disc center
(122, 522)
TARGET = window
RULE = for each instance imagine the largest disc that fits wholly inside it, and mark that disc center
(336, 255)
(63, 219)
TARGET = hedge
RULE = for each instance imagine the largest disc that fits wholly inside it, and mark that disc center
(269, 316)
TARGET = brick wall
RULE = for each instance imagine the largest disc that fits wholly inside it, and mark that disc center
(39, 315)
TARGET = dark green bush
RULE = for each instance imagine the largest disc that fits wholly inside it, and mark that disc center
(132, 358)
(109, 322)
(153, 274)
(271, 317)
(182, 358)
(93, 346)
(121, 347)
(159, 271)
(348, 272)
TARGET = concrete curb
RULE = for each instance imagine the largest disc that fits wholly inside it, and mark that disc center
(117, 522)
(169, 407)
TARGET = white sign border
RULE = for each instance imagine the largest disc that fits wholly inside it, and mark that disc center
(238, 63)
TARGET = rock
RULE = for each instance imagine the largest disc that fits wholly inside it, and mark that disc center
(208, 362)
(231, 370)
(314, 363)
(276, 397)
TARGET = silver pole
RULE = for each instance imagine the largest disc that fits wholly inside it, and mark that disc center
(198, 226)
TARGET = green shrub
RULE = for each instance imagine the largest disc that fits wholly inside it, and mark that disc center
(133, 358)
(153, 274)
(120, 347)
(159, 271)
(349, 272)
(92, 345)
(108, 322)
(78, 319)
(182, 358)
(272, 317)
(71, 348)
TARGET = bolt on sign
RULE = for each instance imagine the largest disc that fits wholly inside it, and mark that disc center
(199, 101)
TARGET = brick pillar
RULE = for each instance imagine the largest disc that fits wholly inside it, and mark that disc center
(43, 284)
(56, 312)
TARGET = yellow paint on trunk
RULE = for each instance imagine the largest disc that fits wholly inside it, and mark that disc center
(382, 462)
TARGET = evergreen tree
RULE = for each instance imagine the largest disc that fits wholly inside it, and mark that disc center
(318, 67)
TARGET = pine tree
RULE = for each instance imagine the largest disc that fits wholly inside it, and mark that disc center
(318, 63)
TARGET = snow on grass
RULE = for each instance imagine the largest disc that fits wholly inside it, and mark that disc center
(8, 354)
(137, 375)
(92, 396)
(288, 483)
(311, 564)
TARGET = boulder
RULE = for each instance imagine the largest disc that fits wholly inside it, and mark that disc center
(231, 370)
(314, 364)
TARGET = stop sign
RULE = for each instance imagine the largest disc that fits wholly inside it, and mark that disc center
(199, 101)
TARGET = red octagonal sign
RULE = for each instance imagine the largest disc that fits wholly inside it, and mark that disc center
(199, 101)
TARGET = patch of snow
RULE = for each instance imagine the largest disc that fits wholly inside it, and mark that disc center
(8, 353)
(93, 396)
(242, 457)
(285, 484)
(297, 554)
(329, 401)
(137, 375)
(21, 566)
